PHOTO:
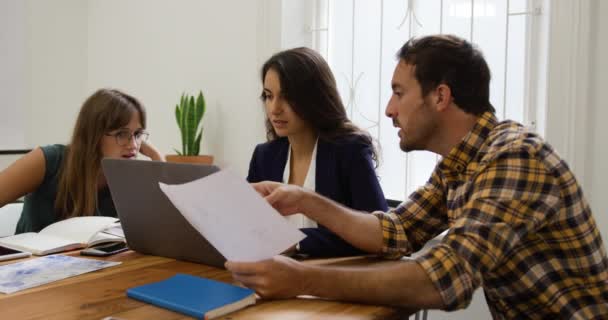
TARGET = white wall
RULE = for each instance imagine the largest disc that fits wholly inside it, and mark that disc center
(50, 85)
(597, 151)
(296, 23)
(576, 110)
(57, 67)
(12, 73)
(154, 50)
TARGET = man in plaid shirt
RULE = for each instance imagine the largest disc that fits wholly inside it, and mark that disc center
(518, 223)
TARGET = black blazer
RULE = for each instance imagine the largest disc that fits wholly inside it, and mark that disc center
(345, 174)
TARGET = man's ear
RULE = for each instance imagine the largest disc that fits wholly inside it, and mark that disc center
(442, 97)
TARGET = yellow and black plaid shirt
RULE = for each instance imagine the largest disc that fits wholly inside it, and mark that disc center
(519, 227)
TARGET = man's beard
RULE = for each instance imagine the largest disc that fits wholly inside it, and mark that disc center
(426, 126)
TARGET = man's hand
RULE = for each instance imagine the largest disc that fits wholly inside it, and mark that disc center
(265, 188)
(287, 199)
(279, 278)
(399, 283)
(361, 230)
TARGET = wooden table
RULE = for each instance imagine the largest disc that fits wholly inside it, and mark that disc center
(101, 293)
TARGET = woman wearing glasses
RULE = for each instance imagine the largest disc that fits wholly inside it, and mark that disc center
(60, 181)
(312, 143)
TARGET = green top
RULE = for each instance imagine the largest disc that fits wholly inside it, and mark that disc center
(39, 206)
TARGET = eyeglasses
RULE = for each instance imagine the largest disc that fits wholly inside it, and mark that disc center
(124, 137)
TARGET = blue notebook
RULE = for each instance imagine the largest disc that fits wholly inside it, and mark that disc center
(195, 296)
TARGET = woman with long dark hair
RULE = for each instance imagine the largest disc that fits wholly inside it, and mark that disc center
(64, 181)
(312, 143)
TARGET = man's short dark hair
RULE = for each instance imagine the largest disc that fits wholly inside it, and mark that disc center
(455, 62)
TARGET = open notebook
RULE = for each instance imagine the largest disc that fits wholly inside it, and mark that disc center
(69, 234)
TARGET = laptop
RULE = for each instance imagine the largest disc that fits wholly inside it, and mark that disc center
(152, 225)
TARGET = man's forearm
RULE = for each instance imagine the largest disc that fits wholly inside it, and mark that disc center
(400, 283)
(361, 230)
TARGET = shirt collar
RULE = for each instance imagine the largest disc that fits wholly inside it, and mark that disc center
(461, 155)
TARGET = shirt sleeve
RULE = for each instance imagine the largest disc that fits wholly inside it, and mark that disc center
(408, 227)
(53, 157)
(366, 195)
(512, 197)
(321, 242)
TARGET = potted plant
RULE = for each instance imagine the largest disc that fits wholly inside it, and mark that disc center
(189, 116)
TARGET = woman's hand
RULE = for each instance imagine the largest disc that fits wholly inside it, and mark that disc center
(150, 151)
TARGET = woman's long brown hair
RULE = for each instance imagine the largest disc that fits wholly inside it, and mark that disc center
(309, 87)
(106, 110)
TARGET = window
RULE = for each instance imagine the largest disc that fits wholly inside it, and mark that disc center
(360, 39)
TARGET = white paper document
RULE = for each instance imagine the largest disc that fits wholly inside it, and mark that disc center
(35, 272)
(233, 217)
